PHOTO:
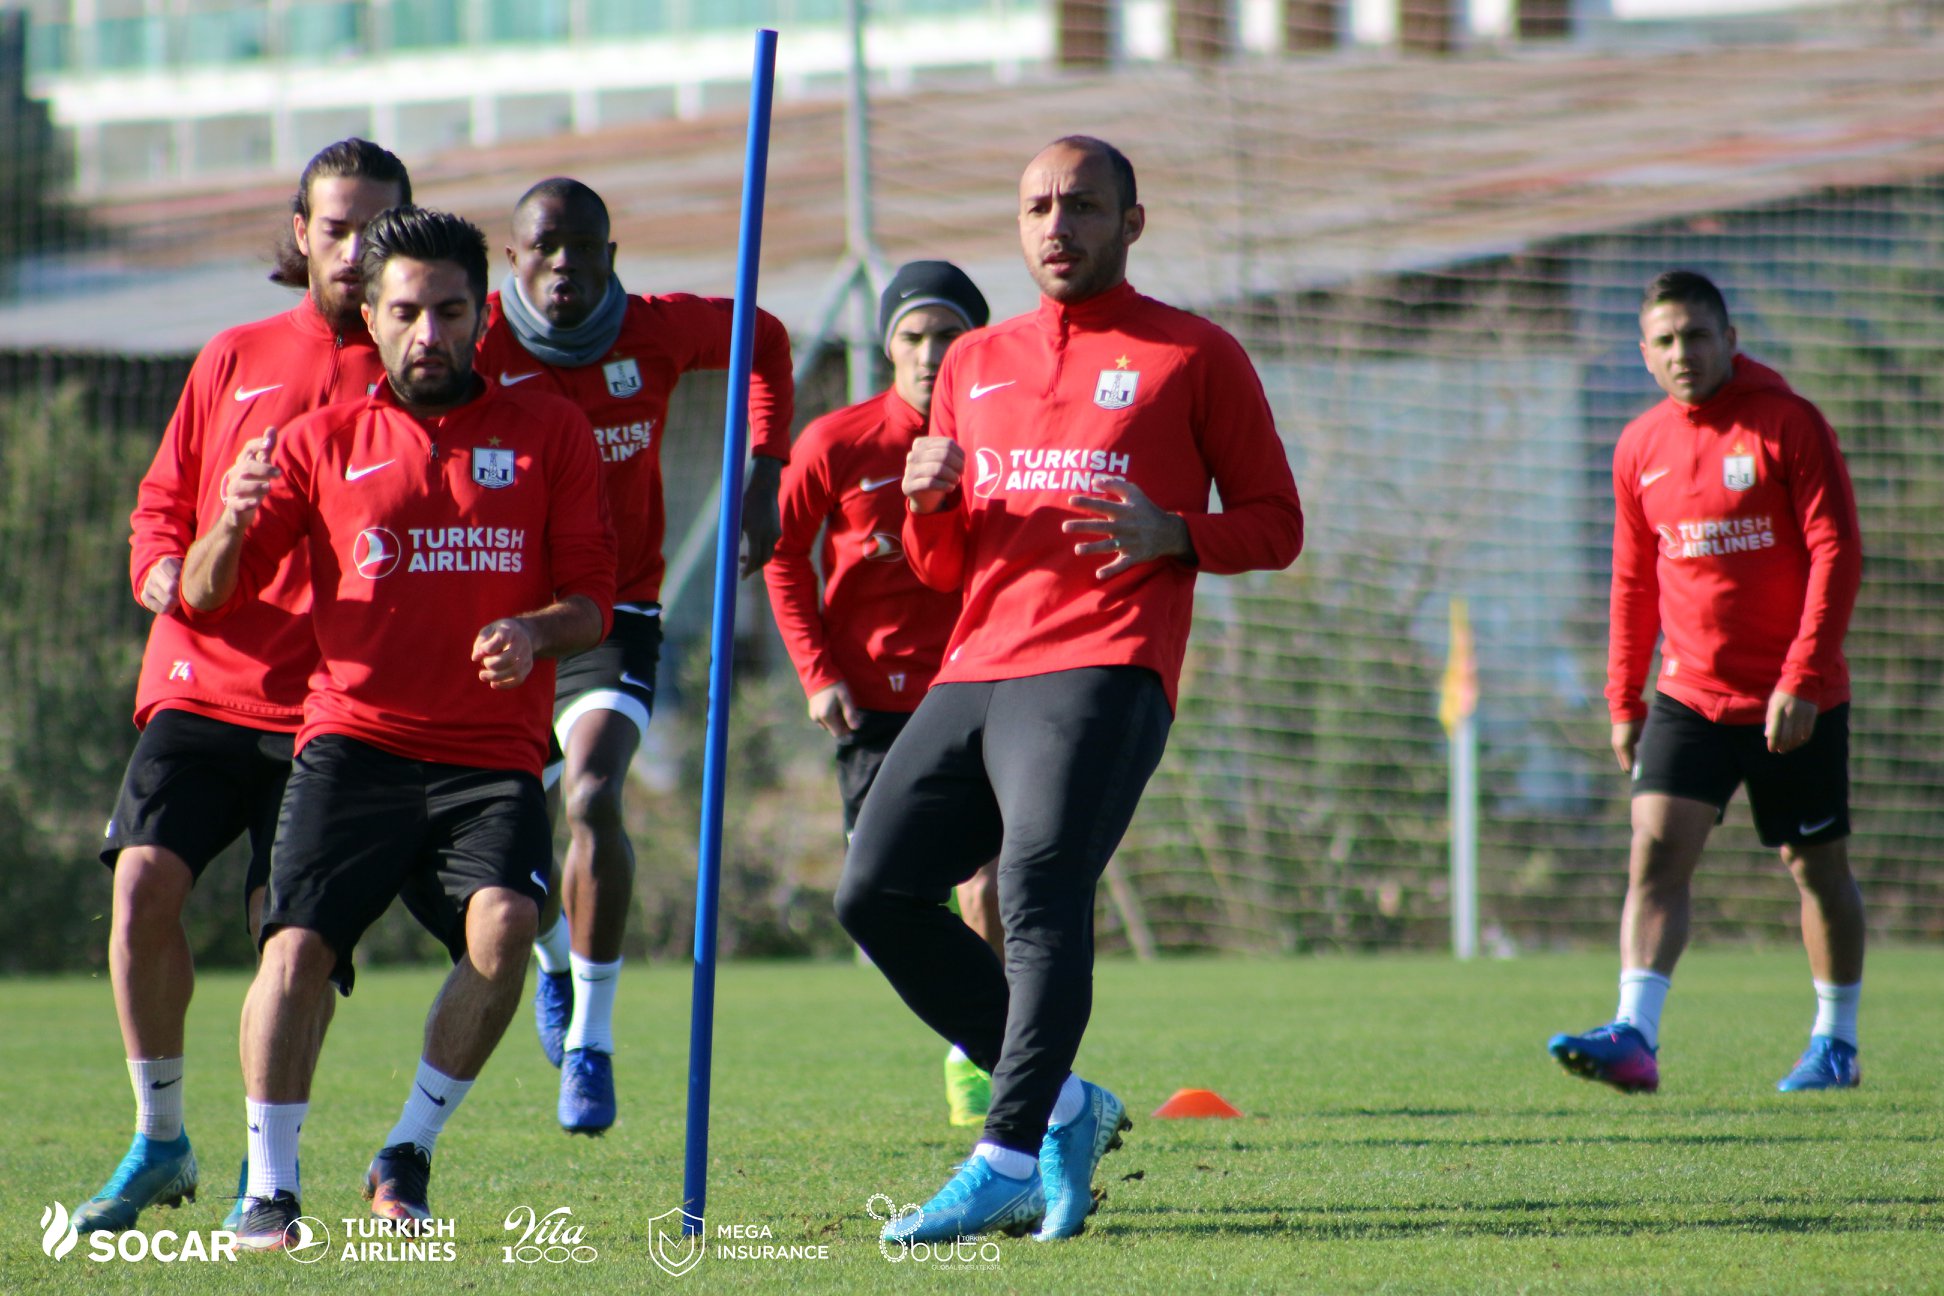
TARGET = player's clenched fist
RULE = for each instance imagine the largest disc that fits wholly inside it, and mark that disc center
(504, 651)
(932, 471)
(248, 481)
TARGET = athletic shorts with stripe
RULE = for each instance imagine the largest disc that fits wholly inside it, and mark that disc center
(194, 785)
(617, 674)
(361, 826)
(1799, 798)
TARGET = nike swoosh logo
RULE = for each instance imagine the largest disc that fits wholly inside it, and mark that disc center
(1649, 478)
(164, 1084)
(539, 880)
(635, 681)
(1811, 829)
(980, 389)
(878, 483)
(428, 1093)
(352, 474)
(243, 394)
(595, 978)
(508, 380)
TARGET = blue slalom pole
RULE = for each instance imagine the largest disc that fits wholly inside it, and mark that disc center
(708, 879)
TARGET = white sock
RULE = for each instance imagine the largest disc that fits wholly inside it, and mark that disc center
(1836, 1011)
(592, 1026)
(1008, 1162)
(434, 1097)
(1071, 1102)
(1643, 993)
(158, 1096)
(550, 947)
(273, 1146)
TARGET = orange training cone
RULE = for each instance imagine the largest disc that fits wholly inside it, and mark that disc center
(1191, 1103)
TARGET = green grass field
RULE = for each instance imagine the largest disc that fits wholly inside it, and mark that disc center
(1404, 1132)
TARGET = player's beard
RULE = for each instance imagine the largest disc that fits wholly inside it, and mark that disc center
(339, 303)
(442, 387)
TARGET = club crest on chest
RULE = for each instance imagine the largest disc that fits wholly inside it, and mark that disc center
(623, 377)
(1116, 388)
(492, 469)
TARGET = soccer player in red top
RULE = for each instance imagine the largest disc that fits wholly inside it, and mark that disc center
(217, 704)
(1066, 492)
(867, 648)
(1735, 542)
(458, 539)
(562, 323)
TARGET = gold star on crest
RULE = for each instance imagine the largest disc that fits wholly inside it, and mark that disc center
(493, 441)
(1121, 363)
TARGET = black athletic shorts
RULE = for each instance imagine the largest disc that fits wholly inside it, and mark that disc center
(194, 785)
(1800, 798)
(361, 826)
(860, 755)
(617, 674)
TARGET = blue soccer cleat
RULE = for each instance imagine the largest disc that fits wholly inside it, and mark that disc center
(978, 1199)
(1828, 1063)
(266, 1221)
(239, 1204)
(1614, 1054)
(553, 1009)
(1068, 1156)
(586, 1092)
(152, 1173)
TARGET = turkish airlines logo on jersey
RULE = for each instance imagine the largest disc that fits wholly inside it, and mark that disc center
(623, 378)
(882, 546)
(988, 471)
(1716, 537)
(1049, 468)
(375, 553)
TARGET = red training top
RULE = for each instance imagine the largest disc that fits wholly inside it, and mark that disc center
(625, 396)
(1735, 535)
(249, 668)
(876, 628)
(420, 533)
(1046, 403)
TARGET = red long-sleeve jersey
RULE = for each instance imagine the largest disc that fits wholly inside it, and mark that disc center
(420, 533)
(1046, 403)
(250, 668)
(1735, 536)
(625, 396)
(876, 628)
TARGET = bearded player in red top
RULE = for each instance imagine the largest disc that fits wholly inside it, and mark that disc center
(563, 324)
(1735, 541)
(217, 704)
(458, 539)
(867, 648)
(1067, 494)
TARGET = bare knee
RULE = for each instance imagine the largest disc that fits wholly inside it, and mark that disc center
(296, 964)
(500, 927)
(1822, 869)
(151, 886)
(593, 804)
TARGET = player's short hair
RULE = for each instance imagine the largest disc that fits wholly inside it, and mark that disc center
(1117, 162)
(353, 158)
(1688, 288)
(567, 191)
(417, 234)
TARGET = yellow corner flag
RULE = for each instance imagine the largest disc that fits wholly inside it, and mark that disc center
(1459, 695)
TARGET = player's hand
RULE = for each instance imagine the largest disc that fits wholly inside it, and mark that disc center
(1131, 526)
(933, 470)
(504, 651)
(833, 709)
(162, 588)
(1791, 721)
(762, 521)
(1626, 737)
(248, 481)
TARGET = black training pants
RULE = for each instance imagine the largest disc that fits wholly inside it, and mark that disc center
(1044, 773)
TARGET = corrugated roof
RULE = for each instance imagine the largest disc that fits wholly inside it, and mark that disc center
(1257, 177)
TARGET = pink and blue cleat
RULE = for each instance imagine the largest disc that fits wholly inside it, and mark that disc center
(1828, 1063)
(1614, 1054)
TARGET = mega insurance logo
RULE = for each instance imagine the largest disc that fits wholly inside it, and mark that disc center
(59, 1238)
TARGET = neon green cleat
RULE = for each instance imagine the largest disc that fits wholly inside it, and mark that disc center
(968, 1090)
